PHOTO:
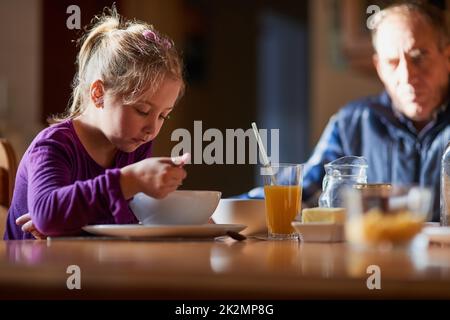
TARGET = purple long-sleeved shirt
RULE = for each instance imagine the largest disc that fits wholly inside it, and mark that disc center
(64, 189)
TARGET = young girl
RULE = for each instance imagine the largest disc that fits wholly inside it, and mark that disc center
(84, 169)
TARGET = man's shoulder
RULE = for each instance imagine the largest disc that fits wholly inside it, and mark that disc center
(369, 114)
(376, 105)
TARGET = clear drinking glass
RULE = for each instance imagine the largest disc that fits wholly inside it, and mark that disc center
(283, 198)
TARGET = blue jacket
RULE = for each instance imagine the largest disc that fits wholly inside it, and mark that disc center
(395, 151)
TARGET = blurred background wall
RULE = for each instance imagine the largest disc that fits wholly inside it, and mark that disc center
(284, 64)
(20, 71)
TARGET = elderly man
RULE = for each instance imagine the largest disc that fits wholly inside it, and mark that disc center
(403, 131)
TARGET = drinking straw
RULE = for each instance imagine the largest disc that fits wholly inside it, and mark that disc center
(262, 150)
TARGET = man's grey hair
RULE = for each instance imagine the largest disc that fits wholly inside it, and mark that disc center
(434, 16)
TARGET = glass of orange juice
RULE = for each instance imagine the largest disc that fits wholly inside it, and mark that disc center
(283, 197)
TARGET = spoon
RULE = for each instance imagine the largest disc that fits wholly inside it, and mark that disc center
(236, 235)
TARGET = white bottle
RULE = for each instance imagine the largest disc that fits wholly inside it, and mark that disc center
(445, 187)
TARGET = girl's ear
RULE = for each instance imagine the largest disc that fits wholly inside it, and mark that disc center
(97, 92)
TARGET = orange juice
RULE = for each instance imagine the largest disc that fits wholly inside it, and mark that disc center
(283, 203)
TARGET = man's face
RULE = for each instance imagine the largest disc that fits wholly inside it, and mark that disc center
(412, 66)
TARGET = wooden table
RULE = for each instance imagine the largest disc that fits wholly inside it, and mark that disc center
(218, 269)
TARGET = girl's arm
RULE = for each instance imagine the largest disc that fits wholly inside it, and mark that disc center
(59, 206)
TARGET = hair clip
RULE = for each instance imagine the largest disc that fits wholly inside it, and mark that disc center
(152, 36)
(166, 43)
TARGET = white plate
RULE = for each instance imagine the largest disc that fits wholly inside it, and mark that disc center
(320, 232)
(438, 234)
(180, 231)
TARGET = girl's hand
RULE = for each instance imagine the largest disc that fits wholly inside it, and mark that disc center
(28, 226)
(156, 177)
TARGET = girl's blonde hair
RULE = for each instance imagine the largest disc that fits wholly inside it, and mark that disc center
(128, 56)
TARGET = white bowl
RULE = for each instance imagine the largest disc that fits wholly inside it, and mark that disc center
(179, 207)
(249, 212)
(320, 231)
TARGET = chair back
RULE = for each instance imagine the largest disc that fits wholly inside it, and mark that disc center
(8, 169)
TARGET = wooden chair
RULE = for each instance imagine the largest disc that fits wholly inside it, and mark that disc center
(8, 168)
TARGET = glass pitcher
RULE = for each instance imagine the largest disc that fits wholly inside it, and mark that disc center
(339, 174)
